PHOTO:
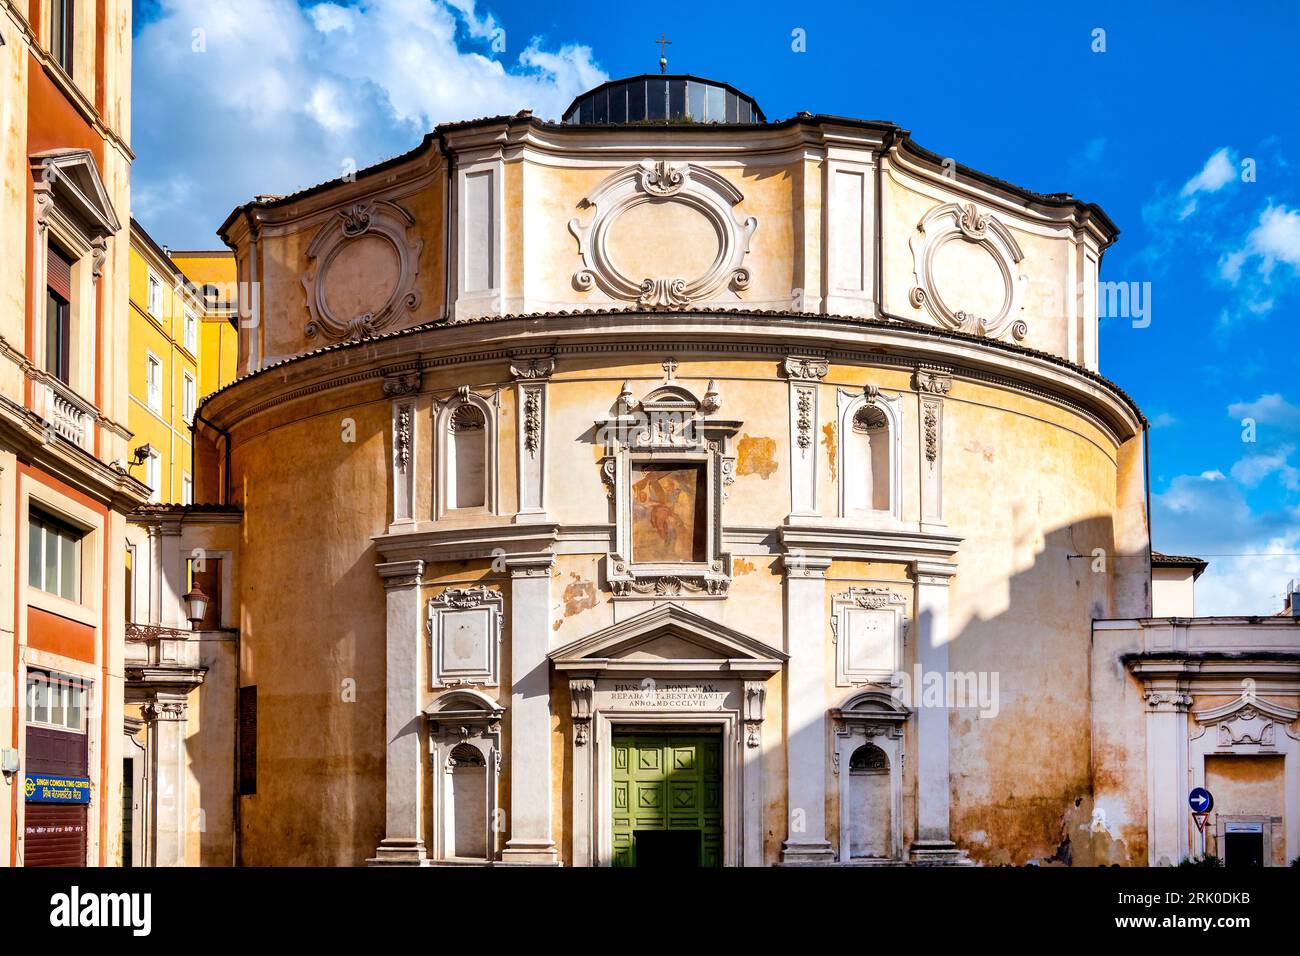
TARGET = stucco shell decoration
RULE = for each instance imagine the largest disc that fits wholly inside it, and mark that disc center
(363, 271)
(946, 289)
(696, 190)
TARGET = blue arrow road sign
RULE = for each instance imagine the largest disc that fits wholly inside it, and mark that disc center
(1200, 800)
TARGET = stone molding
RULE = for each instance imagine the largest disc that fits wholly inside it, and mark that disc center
(482, 603)
(692, 185)
(1041, 377)
(960, 222)
(377, 218)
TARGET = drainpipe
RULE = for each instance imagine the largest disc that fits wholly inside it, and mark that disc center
(194, 429)
(1146, 467)
(449, 259)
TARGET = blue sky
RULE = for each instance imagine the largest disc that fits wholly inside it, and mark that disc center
(236, 97)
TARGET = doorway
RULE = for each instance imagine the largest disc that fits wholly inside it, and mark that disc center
(667, 799)
(1243, 849)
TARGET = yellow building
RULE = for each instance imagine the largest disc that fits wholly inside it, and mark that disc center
(212, 273)
(163, 372)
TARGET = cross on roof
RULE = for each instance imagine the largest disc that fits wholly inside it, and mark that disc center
(663, 42)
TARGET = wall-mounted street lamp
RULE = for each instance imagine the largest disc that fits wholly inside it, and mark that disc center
(196, 606)
(196, 609)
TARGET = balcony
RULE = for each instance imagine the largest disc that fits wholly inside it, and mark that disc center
(160, 656)
(66, 413)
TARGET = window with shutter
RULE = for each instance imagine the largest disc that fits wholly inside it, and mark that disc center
(58, 313)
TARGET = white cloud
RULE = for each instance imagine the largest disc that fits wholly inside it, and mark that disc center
(1252, 469)
(1277, 237)
(1271, 409)
(1163, 420)
(1208, 515)
(1218, 171)
(1251, 266)
(282, 97)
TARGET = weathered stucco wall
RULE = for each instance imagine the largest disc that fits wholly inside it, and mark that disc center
(312, 623)
(1029, 485)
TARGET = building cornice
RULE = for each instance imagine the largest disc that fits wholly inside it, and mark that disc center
(28, 435)
(813, 134)
(772, 335)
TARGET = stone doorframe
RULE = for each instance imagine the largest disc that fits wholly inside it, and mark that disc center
(1250, 726)
(872, 717)
(632, 663)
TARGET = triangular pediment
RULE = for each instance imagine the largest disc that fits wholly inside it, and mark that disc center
(670, 638)
(78, 188)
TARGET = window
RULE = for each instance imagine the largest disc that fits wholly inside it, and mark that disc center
(153, 476)
(54, 555)
(154, 383)
(191, 332)
(189, 397)
(58, 313)
(57, 700)
(187, 490)
(155, 297)
(61, 18)
(130, 583)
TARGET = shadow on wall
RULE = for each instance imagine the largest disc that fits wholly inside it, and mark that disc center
(1020, 736)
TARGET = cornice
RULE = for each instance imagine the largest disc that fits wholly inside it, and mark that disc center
(932, 553)
(26, 434)
(815, 134)
(847, 340)
(507, 542)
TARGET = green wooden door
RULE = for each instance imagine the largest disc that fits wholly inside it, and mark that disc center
(667, 795)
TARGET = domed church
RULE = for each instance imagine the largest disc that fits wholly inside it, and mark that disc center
(671, 486)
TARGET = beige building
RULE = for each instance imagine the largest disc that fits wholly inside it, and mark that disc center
(666, 485)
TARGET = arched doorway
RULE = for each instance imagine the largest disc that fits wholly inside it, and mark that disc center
(466, 803)
(869, 764)
(869, 804)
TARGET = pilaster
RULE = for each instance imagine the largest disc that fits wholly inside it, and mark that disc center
(804, 374)
(532, 375)
(933, 784)
(530, 712)
(805, 704)
(1168, 781)
(166, 714)
(932, 383)
(403, 842)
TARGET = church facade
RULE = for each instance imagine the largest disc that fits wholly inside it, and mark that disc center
(670, 486)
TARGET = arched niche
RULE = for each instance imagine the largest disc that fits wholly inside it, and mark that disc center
(465, 430)
(869, 467)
